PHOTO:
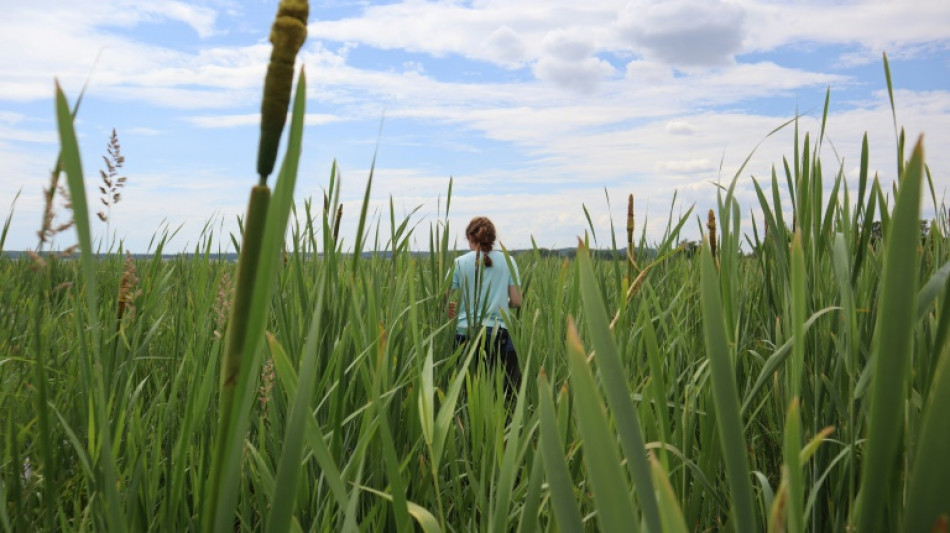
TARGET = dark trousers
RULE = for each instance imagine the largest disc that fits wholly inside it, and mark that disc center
(499, 349)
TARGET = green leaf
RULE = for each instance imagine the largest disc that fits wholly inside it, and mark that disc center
(893, 346)
(288, 468)
(615, 509)
(725, 397)
(423, 517)
(671, 515)
(793, 469)
(618, 394)
(559, 479)
(928, 498)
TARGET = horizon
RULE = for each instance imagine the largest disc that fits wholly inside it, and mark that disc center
(534, 110)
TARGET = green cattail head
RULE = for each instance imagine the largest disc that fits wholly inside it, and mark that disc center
(287, 35)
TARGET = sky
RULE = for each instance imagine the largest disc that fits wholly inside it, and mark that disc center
(534, 109)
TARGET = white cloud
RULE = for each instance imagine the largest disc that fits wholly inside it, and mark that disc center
(504, 46)
(687, 166)
(567, 60)
(687, 100)
(200, 18)
(680, 127)
(874, 25)
(685, 32)
(582, 76)
(641, 71)
(143, 130)
(253, 119)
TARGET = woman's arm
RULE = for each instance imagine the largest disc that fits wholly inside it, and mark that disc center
(514, 296)
(451, 303)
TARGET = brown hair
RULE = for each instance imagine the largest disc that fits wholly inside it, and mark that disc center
(481, 231)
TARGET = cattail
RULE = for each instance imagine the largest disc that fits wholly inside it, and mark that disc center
(630, 227)
(287, 35)
(631, 253)
(629, 219)
(336, 222)
(712, 232)
(128, 289)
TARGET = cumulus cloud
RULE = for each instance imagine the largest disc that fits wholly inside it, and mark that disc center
(685, 33)
(568, 61)
(648, 71)
(680, 127)
(199, 18)
(664, 119)
(874, 26)
(506, 47)
(253, 119)
(686, 166)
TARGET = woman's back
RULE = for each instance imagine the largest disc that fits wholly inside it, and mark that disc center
(484, 288)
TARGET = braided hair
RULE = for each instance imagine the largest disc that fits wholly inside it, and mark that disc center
(481, 231)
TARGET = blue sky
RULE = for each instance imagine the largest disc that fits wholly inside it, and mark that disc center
(534, 108)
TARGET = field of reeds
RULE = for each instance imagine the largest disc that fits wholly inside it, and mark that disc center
(790, 379)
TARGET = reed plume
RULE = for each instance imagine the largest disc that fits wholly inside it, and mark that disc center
(128, 289)
(112, 183)
(267, 383)
(49, 228)
(222, 305)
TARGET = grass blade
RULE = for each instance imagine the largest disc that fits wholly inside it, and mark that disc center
(671, 515)
(618, 393)
(726, 399)
(893, 346)
(615, 510)
(927, 496)
(559, 478)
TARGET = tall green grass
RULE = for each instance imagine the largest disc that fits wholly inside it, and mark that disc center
(792, 382)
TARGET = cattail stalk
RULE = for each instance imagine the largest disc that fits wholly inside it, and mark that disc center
(287, 35)
(711, 225)
(631, 253)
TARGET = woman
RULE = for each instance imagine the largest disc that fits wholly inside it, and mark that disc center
(489, 289)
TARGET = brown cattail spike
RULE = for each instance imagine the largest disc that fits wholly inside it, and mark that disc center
(631, 253)
(336, 222)
(711, 225)
(629, 219)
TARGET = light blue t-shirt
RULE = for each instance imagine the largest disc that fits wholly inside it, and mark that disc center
(492, 295)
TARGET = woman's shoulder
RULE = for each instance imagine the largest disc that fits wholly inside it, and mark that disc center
(467, 257)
